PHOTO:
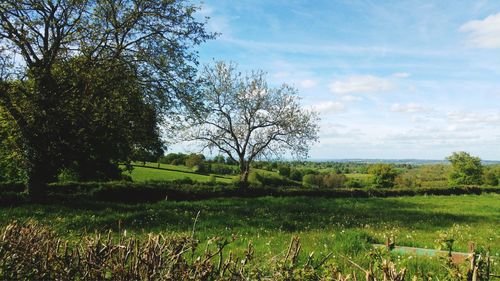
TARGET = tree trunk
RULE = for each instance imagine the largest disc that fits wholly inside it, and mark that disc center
(244, 173)
(40, 174)
(40, 143)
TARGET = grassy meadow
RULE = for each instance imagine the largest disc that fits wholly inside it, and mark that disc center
(346, 227)
(151, 172)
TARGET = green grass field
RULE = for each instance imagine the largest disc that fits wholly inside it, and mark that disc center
(343, 226)
(166, 172)
(170, 172)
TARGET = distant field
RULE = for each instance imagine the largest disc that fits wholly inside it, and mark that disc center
(343, 226)
(361, 177)
(140, 174)
(166, 172)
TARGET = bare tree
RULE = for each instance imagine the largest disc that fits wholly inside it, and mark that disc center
(246, 119)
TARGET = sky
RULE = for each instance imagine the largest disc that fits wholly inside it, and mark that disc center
(391, 79)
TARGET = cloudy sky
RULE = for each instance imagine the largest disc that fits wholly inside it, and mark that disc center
(391, 79)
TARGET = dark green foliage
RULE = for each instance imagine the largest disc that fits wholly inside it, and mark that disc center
(354, 183)
(219, 159)
(491, 176)
(197, 163)
(267, 180)
(334, 180)
(384, 175)
(174, 159)
(467, 169)
(325, 180)
(284, 170)
(88, 108)
(296, 175)
(11, 159)
(186, 189)
(223, 169)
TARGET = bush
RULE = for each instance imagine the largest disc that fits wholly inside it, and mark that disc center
(284, 170)
(491, 177)
(407, 180)
(334, 180)
(222, 169)
(196, 162)
(325, 180)
(354, 183)
(296, 175)
(266, 180)
(174, 159)
(311, 180)
(384, 175)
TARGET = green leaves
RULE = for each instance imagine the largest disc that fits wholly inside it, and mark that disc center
(467, 169)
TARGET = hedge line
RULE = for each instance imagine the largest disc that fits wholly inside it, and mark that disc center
(129, 192)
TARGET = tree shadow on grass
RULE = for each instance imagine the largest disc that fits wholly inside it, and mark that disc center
(290, 214)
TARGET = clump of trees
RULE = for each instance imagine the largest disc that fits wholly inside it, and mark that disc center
(491, 175)
(91, 81)
(244, 118)
(466, 169)
(383, 175)
(196, 162)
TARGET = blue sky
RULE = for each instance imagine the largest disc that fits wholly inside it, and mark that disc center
(391, 79)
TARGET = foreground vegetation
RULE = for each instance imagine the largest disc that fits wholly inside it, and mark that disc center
(34, 252)
(345, 227)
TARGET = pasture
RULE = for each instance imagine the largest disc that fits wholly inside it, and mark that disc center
(346, 227)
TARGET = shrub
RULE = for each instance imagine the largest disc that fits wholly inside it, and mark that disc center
(325, 180)
(334, 180)
(407, 180)
(296, 175)
(222, 169)
(266, 180)
(174, 159)
(354, 183)
(383, 175)
(284, 170)
(491, 177)
(311, 180)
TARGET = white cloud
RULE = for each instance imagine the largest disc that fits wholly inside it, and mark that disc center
(401, 74)
(350, 98)
(307, 83)
(466, 117)
(483, 33)
(409, 108)
(329, 107)
(360, 84)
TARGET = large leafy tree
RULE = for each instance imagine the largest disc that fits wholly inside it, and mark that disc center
(148, 41)
(466, 169)
(244, 118)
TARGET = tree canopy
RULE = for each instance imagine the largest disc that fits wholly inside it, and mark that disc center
(467, 169)
(83, 69)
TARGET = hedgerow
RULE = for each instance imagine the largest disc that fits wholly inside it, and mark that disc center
(130, 192)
